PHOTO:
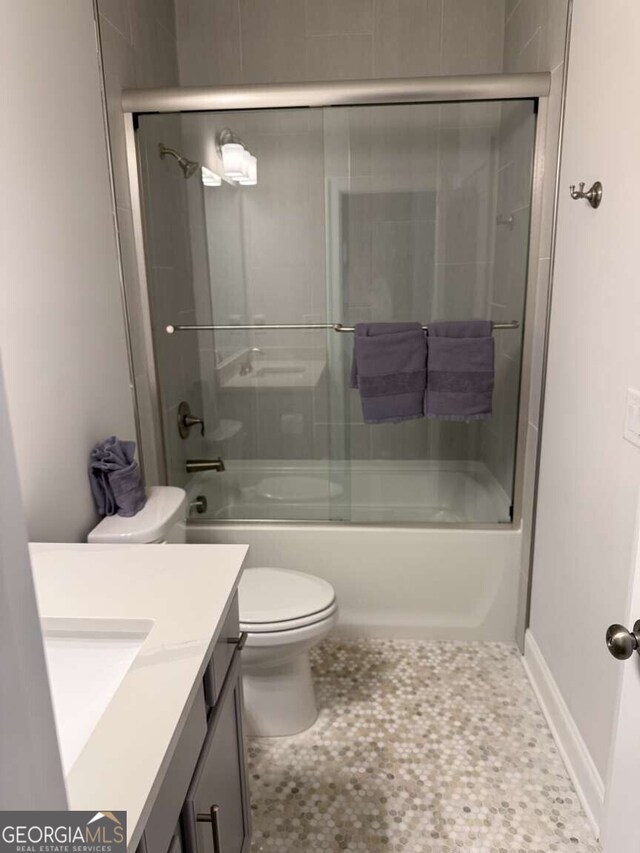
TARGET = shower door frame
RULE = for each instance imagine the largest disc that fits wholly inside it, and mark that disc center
(534, 86)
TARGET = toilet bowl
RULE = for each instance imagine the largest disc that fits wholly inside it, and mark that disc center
(284, 614)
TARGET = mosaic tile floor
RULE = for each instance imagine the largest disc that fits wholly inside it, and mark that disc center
(419, 748)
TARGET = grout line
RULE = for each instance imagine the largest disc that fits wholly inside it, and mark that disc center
(373, 39)
(335, 35)
(460, 264)
(441, 34)
(537, 31)
(116, 29)
(512, 13)
(240, 51)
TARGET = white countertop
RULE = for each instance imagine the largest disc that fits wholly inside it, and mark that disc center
(184, 592)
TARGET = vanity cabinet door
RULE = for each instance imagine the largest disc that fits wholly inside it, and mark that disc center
(216, 816)
(223, 653)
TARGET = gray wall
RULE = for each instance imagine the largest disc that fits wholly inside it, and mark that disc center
(587, 530)
(31, 775)
(61, 323)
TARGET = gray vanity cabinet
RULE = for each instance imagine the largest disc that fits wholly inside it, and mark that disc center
(216, 815)
(205, 787)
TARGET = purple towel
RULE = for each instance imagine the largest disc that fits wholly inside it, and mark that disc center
(460, 371)
(115, 479)
(389, 370)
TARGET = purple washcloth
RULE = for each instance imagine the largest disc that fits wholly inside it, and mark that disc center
(389, 370)
(460, 370)
(115, 479)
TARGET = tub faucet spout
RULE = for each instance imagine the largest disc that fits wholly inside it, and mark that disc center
(195, 465)
(247, 365)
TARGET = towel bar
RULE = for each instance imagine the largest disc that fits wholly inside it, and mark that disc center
(337, 327)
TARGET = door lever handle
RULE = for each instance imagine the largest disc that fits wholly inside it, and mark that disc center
(622, 643)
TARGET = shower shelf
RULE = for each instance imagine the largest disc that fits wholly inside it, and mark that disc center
(336, 327)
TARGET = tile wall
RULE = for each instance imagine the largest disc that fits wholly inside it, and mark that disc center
(139, 50)
(260, 41)
(256, 41)
(445, 149)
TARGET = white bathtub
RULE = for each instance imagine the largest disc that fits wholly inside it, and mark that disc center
(362, 492)
(438, 582)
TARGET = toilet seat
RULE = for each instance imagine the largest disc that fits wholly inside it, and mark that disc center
(278, 600)
(289, 624)
(283, 615)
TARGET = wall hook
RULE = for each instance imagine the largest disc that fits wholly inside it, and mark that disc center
(592, 195)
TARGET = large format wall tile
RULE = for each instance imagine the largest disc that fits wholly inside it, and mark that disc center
(472, 36)
(407, 37)
(333, 17)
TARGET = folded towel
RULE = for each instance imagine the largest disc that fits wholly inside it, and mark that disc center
(115, 479)
(389, 370)
(460, 370)
(101, 491)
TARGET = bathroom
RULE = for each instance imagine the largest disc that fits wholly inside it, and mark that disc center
(444, 585)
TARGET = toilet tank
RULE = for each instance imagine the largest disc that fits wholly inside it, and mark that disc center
(162, 520)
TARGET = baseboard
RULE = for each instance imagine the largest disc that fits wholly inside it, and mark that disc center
(583, 772)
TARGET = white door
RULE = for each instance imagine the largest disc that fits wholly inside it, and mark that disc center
(621, 825)
(598, 260)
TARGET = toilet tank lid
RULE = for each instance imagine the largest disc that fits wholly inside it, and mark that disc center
(281, 595)
(165, 507)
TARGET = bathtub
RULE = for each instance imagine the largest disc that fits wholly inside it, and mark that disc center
(406, 566)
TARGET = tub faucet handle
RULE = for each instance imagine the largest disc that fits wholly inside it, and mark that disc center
(186, 420)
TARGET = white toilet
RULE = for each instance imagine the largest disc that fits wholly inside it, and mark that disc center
(162, 520)
(284, 614)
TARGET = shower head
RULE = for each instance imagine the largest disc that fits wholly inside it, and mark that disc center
(189, 167)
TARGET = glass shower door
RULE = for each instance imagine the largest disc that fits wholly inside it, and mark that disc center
(428, 214)
(270, 397)
(413, 212)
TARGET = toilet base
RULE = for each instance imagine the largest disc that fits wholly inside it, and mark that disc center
(279, 700)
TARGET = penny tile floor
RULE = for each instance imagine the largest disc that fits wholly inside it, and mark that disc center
(419, 747)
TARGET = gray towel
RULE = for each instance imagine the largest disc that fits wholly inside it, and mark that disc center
(115, 479)
(460, 371)
(389, 370)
